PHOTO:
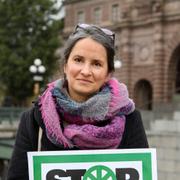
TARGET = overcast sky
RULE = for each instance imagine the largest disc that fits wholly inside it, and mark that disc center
(61, 13)
(59, 2)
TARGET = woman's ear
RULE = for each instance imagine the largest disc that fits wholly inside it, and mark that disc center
(109, 75)
(64, 68)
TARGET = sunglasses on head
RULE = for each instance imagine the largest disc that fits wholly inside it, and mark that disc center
(104, 30)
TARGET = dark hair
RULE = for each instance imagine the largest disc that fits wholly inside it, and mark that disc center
(96, 34)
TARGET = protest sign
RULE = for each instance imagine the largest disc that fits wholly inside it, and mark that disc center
(126, 164)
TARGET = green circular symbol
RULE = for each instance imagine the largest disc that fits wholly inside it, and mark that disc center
(99, 173)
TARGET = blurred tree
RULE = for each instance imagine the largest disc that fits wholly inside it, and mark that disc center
(27, 32)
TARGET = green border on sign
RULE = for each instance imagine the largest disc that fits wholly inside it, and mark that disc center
(145, 158)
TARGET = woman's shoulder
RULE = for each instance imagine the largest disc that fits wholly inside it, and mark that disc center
(28, 117)
(134, 134)
(28, 127)
(134, 121)
(134, 116)
(33, 112)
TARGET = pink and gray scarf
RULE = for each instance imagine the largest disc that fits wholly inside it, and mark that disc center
(97, 123)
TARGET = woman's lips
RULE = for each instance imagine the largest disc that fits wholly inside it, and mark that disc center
(85, 80)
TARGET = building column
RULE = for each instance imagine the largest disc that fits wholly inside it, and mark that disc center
(158, 91)
(126, 57)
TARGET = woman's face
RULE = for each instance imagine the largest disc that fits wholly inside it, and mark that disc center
(86, 69)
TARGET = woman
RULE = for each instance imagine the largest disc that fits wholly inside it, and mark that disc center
(88, 109)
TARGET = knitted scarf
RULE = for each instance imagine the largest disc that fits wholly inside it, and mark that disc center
(97, 123)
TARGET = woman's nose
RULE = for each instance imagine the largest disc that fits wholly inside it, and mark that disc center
(86, 70)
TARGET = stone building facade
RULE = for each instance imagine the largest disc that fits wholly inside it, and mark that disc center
(147, 43)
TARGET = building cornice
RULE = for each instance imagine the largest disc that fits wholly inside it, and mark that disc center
(66, 2)
(138, 22)
(145, 21)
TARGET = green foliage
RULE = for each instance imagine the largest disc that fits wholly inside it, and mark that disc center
(27, 32)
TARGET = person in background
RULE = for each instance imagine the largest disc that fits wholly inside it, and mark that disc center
(87, 109)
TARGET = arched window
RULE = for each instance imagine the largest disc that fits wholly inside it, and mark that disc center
(143, 95)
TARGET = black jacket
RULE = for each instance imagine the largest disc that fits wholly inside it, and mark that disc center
(27, 139)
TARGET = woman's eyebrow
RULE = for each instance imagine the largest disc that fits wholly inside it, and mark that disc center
(77, 55)
(98, 60)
